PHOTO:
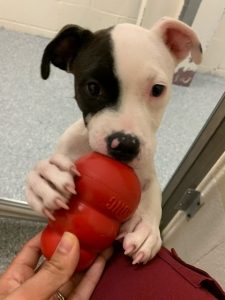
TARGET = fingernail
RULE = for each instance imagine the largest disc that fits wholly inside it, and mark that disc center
(66, 243)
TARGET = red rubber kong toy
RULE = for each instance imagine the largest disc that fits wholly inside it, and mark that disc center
(108, 193)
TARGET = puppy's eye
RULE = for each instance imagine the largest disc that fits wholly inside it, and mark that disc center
(157, 90)
(94, 89)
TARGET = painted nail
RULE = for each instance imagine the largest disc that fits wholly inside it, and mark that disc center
(66, 243)
(61, 204)
(48, 214)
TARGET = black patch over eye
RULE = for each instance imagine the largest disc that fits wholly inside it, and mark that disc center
(157, 90)
(94, 89)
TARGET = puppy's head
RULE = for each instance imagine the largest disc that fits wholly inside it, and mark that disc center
(123, 78)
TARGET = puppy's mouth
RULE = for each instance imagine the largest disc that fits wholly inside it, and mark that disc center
(123, 147)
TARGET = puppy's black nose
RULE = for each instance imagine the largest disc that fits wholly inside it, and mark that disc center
(123, 147)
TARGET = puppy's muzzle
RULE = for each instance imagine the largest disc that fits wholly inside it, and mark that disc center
(123, 147)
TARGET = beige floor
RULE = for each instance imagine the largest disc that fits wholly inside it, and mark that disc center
(201, 240)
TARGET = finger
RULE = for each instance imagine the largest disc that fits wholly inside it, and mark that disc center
(28, 257)
(64, 164)
(22, 267)
(61, 180)
(54, 273)
(70, 286)
(88, 283)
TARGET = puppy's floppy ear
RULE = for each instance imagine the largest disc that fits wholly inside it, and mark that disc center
(62, 50)
(180, 39)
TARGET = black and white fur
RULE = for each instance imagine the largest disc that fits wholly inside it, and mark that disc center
(123, 77)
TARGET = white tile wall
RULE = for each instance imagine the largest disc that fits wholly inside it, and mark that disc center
(85, 16)
(214, 54)
(46, 17)
(160, 8)
(32, 13)
(76, 2)
(123, 8)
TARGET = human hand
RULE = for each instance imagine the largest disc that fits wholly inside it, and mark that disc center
(21, 282)
(50, 184)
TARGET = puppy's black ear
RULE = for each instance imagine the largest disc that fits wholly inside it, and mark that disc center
(62, 50)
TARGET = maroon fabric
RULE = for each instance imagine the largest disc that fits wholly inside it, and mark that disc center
(166, 277)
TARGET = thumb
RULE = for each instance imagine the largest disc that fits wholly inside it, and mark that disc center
(55, 272)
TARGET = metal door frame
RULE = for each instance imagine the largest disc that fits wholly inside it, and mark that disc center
(202, 155)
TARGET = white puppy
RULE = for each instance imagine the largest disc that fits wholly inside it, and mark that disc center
(123, 77)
